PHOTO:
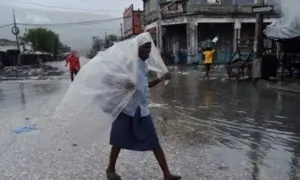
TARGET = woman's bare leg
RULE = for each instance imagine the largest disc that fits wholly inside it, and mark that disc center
(113, 159)
(161, 158)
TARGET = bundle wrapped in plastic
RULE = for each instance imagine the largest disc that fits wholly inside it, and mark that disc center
(102, 88)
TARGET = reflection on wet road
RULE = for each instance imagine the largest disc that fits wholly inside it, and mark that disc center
(211, 129)
(244, 127)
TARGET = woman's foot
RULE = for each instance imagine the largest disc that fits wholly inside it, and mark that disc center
(113, 176)
(173, 177)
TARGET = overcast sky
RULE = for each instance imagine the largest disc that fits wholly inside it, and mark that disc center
(45, 11)
(113, 7)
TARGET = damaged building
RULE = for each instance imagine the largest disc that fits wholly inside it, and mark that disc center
(187, 25)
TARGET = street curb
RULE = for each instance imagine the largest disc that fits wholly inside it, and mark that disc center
(33, 78)
(287, 89)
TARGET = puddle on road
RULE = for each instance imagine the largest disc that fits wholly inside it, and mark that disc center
(242, 121)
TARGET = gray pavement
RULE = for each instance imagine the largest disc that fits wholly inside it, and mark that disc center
(210, 130)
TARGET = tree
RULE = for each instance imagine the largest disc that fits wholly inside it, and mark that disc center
(64, 49)
(97, 45)
(110, 39)
(43, 39)
(100, 44)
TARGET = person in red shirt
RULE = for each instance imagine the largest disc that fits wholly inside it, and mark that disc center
(74, 64)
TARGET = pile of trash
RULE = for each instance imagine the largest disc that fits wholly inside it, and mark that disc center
(30, 71)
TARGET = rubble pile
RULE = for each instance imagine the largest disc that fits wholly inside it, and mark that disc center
(30, 71)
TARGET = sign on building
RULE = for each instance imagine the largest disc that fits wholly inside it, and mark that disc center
(174, 9)
(214, 1)
(138, 22)
(133, 21)
(262, 9)
(128, 21)
(173, 21)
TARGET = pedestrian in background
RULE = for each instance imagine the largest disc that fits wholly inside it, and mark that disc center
(208, 54)
(74, 64)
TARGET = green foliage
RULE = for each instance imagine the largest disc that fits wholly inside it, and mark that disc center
(43, 39)
(110, 39)
(101, 44)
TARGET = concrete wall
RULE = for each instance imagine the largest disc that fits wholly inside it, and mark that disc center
(226, 2)
(192, 41)
(227, 7)
(175, 39)
(218, 9)
(242, 2)
(150, 9)
(175, 35)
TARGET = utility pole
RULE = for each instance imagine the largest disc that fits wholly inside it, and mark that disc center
(17, 31)
(121, 31)
(258, 44)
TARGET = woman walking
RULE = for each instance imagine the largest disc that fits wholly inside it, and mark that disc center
(134, 129)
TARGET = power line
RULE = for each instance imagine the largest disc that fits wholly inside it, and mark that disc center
(59, 7)
(75, 23)
(6, 25)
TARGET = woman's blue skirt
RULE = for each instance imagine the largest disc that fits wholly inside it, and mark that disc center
(134, 133)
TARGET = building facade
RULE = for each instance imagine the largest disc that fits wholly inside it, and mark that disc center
(133, 22)
(187, 24)
(151, 8)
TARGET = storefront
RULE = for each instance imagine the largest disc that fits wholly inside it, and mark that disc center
(174, 38)
(174, 32)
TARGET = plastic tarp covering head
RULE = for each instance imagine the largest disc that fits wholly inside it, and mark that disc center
(288, 27)
(100, 92)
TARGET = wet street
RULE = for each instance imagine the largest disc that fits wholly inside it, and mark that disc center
(211, 130)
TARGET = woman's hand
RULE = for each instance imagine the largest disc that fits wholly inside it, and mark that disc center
(129, 84)
(166, 77)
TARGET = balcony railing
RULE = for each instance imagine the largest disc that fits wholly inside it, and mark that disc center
(221, 9)
(168, 1)
(224, 2)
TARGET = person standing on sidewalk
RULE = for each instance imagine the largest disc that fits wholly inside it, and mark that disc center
(74, 64)
(133, 129)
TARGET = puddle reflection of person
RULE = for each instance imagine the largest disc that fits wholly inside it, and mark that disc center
(133, 129)
(208, 98)
(21, 85)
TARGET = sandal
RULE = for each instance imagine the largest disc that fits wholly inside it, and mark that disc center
(173, 177)
(113, 176)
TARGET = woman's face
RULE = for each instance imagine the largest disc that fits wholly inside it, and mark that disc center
(144, 51)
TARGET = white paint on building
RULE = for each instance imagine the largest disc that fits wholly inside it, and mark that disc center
(150, 26)
(253, 20)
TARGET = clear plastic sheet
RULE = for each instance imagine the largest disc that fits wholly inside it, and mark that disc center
(100, 92)
(287, 27)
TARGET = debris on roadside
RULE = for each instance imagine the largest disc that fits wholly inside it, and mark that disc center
(24, 129)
